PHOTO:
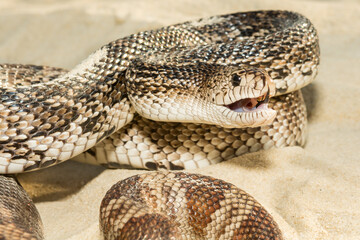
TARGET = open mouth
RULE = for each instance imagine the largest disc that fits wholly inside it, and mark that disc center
(250, 104)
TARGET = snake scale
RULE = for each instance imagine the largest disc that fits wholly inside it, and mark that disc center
(179, 97)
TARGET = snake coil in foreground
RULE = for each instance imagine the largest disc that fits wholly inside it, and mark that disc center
(180, 97)
(182, 206)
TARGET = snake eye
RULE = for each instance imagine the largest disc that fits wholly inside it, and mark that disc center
(236, 79)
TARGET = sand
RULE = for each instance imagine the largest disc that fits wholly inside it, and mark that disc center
(313, 192)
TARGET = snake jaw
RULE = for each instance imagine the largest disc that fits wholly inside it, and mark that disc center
(250, 104)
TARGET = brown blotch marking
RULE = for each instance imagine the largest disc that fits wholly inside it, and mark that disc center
(203, 200)
(258, 225)
(149, 226)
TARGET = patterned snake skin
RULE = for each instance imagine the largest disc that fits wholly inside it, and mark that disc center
(19, 219)
(180, 97)
(186, 206)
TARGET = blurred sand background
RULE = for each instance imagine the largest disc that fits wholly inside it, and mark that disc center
(313, 193)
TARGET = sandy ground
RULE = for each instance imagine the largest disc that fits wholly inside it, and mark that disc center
(313, 193)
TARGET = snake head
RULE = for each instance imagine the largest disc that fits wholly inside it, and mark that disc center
(242, 97)
(227, 96)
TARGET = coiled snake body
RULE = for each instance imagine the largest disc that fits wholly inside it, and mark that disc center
(179, 97)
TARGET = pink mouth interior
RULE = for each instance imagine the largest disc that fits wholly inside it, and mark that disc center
(245, 104)
(250, 104)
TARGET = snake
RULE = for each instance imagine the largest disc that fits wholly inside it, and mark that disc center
(180, 97)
